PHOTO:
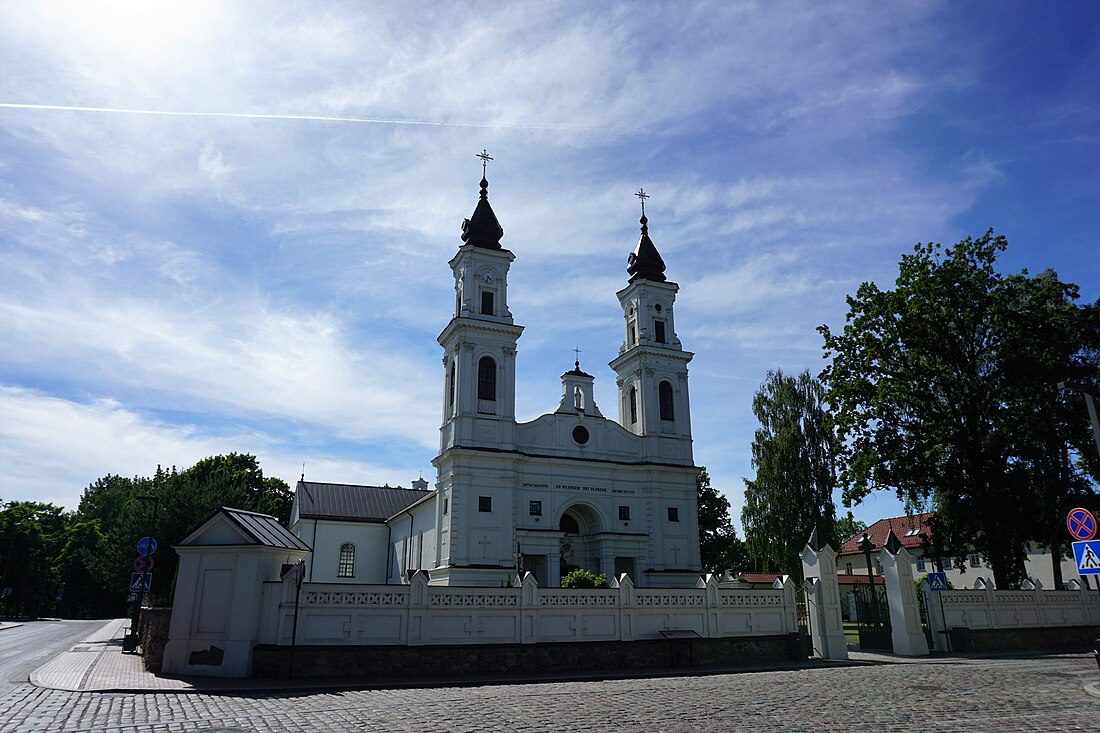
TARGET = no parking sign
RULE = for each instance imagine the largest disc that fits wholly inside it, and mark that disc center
(1081, 524)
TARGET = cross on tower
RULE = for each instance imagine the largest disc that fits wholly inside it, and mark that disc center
(485, 158)
(643, 196)
(577, 352)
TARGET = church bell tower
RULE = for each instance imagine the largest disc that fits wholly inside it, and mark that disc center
(479, 343)
(651, 369)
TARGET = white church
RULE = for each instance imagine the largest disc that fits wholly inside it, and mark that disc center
(570, 489)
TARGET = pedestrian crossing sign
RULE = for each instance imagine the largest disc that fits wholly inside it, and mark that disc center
(937, 581)
(136, 580)
(1087, 555)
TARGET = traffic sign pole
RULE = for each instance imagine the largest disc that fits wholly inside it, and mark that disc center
(150, 546)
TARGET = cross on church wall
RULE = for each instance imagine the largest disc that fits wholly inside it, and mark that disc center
(675, 552)
(484, 542)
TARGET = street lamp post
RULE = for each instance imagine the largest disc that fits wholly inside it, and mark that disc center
(866, 546)
(1091, 394)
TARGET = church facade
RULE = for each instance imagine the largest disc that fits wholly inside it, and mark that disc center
(569, 489)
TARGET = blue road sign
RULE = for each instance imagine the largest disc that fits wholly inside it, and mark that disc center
(1081, 524)
(146, 542)
(937, 581)
(135, 582)
(1087, 555)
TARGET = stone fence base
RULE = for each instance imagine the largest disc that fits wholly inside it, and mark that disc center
(1068, 638)
(153, 635)
(271, 661)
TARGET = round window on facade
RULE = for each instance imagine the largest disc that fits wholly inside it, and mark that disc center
(580, 434)
(657, 307)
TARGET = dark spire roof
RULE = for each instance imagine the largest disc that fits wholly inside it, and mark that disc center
(482, 228)
(815, 542)
(645, 262)
(892, 544)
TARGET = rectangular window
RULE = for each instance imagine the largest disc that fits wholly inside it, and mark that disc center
(946, 563)
(878, 567)
(922, 564)
(659, 331)
(536, 509)
(445, 502)
(485, 503)
(624, 513)
(632, 334)
(673, 514)
(487, 302)
(975, 560)
(848, 568)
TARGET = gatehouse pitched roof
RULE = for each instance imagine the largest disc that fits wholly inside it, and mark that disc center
(228, 526)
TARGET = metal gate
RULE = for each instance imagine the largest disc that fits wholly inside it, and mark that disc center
(873, 617)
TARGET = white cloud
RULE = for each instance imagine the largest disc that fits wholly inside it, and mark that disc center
(103, 437)
(256, 270)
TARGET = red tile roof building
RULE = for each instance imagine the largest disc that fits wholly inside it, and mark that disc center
(909, 530)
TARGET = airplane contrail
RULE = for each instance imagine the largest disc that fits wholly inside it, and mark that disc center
(261, 116)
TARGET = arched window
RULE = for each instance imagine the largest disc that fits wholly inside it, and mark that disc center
(664, 398)
(451, 386)
(347, 561)
(633, 406)
(487, 379)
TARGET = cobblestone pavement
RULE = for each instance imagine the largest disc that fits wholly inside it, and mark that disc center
(1003, 695)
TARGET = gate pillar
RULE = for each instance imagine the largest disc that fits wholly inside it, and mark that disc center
(901, 597)
(823, 599)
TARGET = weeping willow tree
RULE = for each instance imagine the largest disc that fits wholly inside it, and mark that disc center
(792, 452)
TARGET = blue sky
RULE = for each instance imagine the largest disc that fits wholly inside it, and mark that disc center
(225, 227)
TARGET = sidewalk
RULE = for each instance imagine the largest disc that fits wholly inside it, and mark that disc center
(98, 664)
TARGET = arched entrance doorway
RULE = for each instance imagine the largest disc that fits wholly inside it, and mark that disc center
(579, 525)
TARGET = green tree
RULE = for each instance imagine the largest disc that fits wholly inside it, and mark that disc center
(80, 594)
(123, 510)
(719, 547)
(30, 533)
(938, 392)
(846, 528)
(792, 453)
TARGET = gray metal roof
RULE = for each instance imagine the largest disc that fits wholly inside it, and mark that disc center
(264, 529)
(353, 502)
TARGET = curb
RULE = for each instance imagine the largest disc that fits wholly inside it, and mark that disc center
(219, 686)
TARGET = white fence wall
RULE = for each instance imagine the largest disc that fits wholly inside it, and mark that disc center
(419, 614)
(985, 608)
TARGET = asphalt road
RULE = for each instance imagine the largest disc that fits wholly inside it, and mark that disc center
(26, 648)
(1004, 695)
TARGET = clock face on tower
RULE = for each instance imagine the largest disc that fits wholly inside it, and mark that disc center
(487, 276)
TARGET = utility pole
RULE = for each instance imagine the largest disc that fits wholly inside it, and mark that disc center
(1091, 394)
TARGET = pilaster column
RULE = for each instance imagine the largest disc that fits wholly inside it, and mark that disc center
(901, 597)
(823, 599)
